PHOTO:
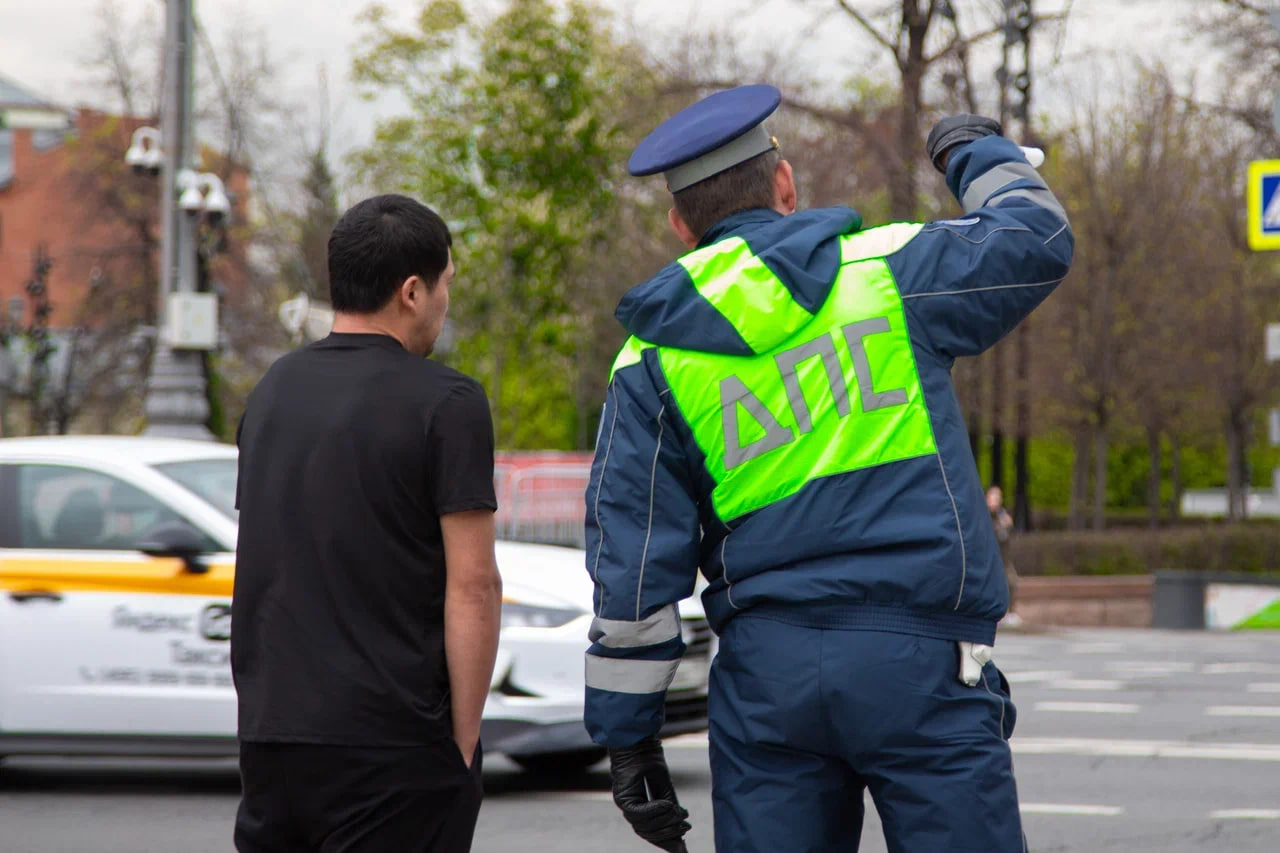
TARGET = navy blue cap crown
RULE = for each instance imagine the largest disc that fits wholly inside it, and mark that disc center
(709, 136)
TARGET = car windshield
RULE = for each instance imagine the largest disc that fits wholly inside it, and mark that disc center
(211, 479)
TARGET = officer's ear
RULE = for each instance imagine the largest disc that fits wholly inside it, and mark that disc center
(784, 189)
(683, 231)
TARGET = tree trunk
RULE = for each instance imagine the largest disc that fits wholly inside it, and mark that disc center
(1022, 484)
(1079, 479)
(975, 437)
(1154, 478)
(1175, 474)
(902, 174)
(999, 400)
(1100, 476)
(584, 394)
(1233, 472)
(1022, 416)
(973, 407)
(495, 390)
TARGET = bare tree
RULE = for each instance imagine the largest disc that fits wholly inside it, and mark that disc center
(919, 36)
(123, 56)
(1246, 47)
(1099, 335)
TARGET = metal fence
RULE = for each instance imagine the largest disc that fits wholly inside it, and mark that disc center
(541, 502)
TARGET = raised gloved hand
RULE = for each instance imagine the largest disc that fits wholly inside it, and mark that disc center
(956, 130)
(642, 789)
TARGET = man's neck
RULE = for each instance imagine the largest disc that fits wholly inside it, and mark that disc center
(364, 324)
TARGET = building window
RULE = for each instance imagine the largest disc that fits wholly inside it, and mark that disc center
(46, 138)
(6, 157)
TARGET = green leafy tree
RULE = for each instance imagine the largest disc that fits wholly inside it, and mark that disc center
(515, 134)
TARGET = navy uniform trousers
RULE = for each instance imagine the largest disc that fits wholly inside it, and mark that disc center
(803, 720)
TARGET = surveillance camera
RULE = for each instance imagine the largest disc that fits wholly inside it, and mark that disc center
(191, 200)
(216, 202)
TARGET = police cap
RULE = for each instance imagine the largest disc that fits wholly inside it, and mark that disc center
(705, 138)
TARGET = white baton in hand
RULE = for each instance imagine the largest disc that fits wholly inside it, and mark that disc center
(1035, 156)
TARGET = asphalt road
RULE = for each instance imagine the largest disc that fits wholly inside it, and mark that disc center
(1134, 741)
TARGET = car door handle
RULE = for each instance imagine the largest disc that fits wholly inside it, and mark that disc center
(35, 595)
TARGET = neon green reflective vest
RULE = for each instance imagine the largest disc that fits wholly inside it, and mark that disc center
(839, 394)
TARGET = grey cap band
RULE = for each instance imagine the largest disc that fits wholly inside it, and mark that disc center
(753, 143)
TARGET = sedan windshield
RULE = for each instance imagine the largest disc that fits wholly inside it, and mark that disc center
(211, 479)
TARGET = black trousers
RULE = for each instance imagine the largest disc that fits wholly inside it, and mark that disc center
(304, 798)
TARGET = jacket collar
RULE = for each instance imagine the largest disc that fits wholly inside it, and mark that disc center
(736, 222)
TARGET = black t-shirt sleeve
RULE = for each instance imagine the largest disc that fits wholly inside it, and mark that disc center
(460, 451)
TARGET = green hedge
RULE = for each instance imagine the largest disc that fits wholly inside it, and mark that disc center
(1050, 459)
(1250, 547)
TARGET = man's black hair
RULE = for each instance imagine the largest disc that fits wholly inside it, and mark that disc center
(379, 243)
(743, 187)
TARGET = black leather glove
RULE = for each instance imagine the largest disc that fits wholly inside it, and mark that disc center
(956, 130)
(642, 789)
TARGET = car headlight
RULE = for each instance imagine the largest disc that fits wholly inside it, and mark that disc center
(532, 616)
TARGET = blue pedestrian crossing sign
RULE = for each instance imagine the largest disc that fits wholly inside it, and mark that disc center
(1264, 205)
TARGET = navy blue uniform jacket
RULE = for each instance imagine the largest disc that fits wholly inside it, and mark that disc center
(903, 547)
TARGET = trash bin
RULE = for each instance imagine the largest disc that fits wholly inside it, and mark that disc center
(1177, 600)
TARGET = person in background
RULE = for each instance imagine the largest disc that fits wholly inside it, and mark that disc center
(367, 598)
(1002, 523)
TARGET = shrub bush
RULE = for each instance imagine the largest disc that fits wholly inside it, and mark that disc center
(1250, 547)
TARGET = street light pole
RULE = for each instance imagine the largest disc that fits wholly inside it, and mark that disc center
(176, 405)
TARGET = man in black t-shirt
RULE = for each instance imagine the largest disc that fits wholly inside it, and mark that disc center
(367, 598)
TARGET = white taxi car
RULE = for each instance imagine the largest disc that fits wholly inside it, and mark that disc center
(116, 567)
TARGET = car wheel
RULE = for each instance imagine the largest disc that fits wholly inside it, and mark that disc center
(560, 763)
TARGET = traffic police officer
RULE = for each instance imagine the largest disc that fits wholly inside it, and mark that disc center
(783, 418)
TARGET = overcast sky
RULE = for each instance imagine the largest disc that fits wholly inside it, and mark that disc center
(43, 42)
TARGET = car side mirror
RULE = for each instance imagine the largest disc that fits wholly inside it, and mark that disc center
(175, 539)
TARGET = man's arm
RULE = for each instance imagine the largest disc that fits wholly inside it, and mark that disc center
(968, 281)
(642, 552)
(642, 539)
(472, 618)
(460, 456)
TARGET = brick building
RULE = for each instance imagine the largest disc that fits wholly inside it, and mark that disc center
(33, 134)
(66, 190)
(64, 185)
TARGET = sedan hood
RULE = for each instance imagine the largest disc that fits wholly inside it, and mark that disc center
(555, 576)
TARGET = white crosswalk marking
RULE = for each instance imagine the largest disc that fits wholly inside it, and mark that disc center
(1096, 648)
(1107, 747)
(1271, 216)
(1085, 684)
(1036, 675)
(1243, 711)
(1088, 707)
(1150, 667)
(1246, 814)
(1237, 667)
(1264, 687)
(1068, 808)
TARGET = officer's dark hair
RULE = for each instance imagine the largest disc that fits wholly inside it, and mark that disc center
(379, 243)
(742, 187)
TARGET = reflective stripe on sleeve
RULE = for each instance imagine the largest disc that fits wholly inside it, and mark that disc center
(1044, 198)
(630, 676)
(987, 185)
(657, 628)
(877, 242)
